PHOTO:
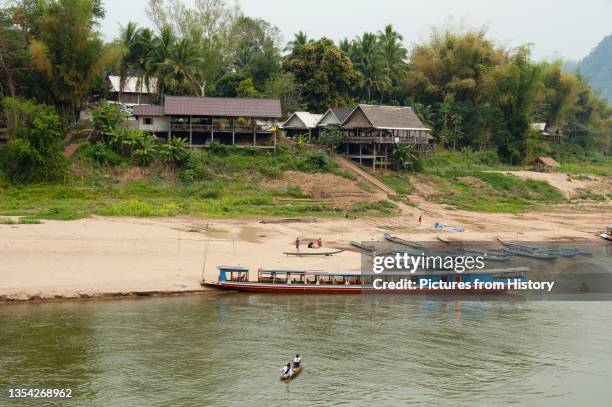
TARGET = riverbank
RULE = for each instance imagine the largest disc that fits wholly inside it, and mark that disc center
(105, 257)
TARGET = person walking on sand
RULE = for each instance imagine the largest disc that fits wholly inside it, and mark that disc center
(297, 244)
(420, 219)
(319, 243)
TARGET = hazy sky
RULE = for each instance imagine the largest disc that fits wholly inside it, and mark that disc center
(566, 28)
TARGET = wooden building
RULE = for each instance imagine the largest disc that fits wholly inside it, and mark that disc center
(243, 122)
(334, 117)
(135, 91)
(370, 133)
(544, 164)
(302, 123)
(550, 133)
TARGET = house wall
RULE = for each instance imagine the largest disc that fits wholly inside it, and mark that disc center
(357, 120)
(160, 124)
(133, 98)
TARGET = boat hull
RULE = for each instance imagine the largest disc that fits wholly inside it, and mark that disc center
(336, 289)
(296, 372)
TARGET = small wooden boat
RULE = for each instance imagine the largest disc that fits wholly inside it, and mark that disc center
(558, 252)
(364, 247)
(403, 242)
(296, 371)
(607, 235)
(534, 254)
(319, 253)
(493, 255)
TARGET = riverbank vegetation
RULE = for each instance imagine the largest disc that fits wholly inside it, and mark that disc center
(478, 97)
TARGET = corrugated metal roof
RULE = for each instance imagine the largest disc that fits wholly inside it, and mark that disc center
(388, 117)
(221, 106)
(309, 120)
(132, 84)
(148, 110)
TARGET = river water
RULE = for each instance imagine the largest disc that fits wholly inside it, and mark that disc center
(227, 349)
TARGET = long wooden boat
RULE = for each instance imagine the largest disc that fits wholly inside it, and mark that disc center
(403, 242)
(557, 252)
(364, 247)
(294, 374)
(319, 282)
(321, 253)
(493, 255)
(531, 254)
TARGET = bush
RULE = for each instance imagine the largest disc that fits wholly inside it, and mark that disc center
(314, 161)
(35, 152)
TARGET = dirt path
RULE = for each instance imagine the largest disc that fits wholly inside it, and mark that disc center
(347, 164)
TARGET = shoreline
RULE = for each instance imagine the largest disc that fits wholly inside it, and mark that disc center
(106, 257)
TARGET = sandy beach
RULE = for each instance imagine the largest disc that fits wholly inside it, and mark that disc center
(102, 257)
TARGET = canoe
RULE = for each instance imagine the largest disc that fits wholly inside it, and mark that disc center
(364, 247)
(490, 256)
(532, 254)
(558, 252)
(322, 253)
(403, 242)
(296, 372)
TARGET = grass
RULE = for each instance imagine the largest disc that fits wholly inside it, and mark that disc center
(222, 183)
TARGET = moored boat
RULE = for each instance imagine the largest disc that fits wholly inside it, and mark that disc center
(607, 234)
(366, 248)
(319, 282)
(403, 242)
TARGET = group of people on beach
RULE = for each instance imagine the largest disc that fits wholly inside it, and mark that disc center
(313, 244)
(287, 370)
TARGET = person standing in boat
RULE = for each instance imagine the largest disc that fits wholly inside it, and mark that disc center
(296, 361)
(287, 370)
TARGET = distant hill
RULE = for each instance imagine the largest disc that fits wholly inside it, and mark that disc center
(597, 67)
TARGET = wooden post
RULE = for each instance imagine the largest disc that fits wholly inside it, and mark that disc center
(190, 132)
(169, 128)
(233, 138)
(374, 156)
(360, 161)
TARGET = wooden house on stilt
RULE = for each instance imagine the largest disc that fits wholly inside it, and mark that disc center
(370, 133)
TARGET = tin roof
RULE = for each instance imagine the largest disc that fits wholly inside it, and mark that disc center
(148, 110)
(302, 120)
(222, 106)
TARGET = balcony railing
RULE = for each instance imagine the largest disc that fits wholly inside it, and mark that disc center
(207, 128)
(385, 139)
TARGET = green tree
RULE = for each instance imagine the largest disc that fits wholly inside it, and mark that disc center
(180, 69)
(299, 38)
(393, 54)
(324, 72)
(403, 157)
(67, 51)
(34, 152)
(246, 89)
(367, 58)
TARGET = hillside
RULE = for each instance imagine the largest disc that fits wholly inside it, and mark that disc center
(597, 66)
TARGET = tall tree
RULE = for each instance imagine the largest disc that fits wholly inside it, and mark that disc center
(368, 60)
(325, 73)
(393, 54)
(68, 52)
(299, 38)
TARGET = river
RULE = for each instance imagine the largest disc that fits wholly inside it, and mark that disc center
(227, 349)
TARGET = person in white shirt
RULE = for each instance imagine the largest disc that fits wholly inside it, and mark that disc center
(296, 361)
(287, 369)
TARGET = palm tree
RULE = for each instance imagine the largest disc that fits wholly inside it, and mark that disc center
(127, 42)
(154, 61)
(367, 59)
(393, 53)
(182, 68)
(345, 45)
(299, 38)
